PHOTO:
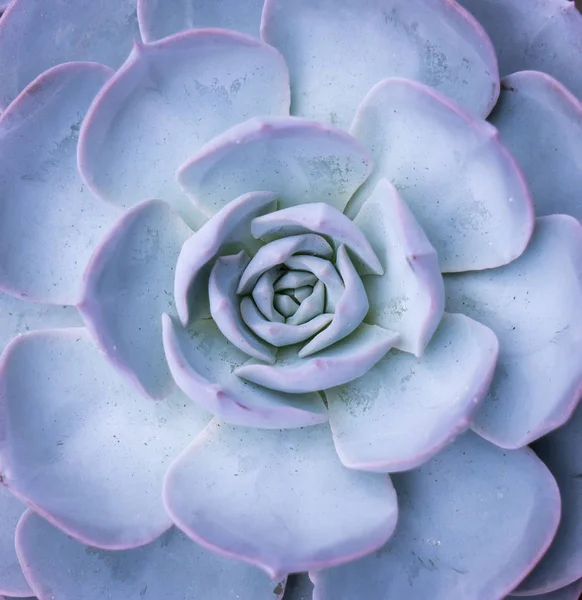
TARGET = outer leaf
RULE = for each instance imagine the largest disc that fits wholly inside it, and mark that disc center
(409, 297)
(533, 306)
(167, 101)
(460, 182)
(301, 160)
(128, 285)
(160, 18)
(541, 124)
(296, 506)
(562, 563)
(18, 316)
(406, 409)
(169, 568)
(81, 448)
(472, 523)
(36, 35)
(202, 362)
(436, 43)
(12, 580)
(50, 222)
(534, 35)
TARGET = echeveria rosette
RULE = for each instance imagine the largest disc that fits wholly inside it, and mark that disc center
(262, 227)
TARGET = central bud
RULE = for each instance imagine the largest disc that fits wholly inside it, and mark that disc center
(284, 287)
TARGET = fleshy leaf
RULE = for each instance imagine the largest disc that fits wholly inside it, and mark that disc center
(81, 447)
(278, 251)
(325, 272)
(297, 507)
(50, 222)
(348, 359)
(323, 219)
(128, 285)
(311, 306)
(541, 124)
(472, 523)
(301, 160)
(39, 34)
(160, 18)
(230, 227)
(534, 35)
(409, 297)
(562, 563)
(436, 43)
(459, 181)
(303, 292)
(570, 592)
(168, 568)
(350, 309)
(12, 580)
(202, 363)
(533, 306)
(286, 305)
(291, 280)
(224, 307)
(167, 101)
(280, 334)
(18, 316)
(406, 409)
(264, 294)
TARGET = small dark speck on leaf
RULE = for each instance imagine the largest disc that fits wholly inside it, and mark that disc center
(278, 590)
(507, 87)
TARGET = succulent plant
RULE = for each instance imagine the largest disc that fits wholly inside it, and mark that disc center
(290, 286)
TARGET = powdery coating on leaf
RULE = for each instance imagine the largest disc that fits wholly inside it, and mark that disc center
(542, 35)
(12, 580)
(160, 18)
(202, 362)
(473, 521)
(127, 286)
(50, 222)
(406, 409)
(541, 124)
(230, 227)
(437, 43)
(79, 446)
(533, 306)
(36, 35)
(171, 567)
(562, 563)
(347, 359)
(283, 501)
(409, 296)
(459, 181)
(167, 101)
(303, 161)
